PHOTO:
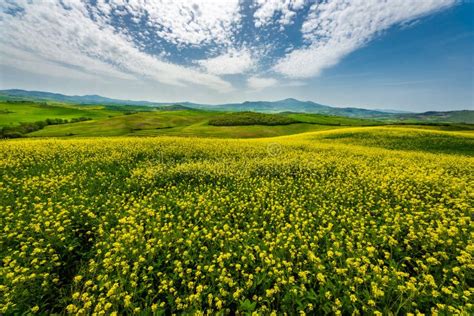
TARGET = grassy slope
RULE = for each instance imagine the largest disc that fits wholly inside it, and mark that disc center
(399, 138)
(176, 123)
(12, 114)
(147, 122)
(195, 123)
(253, 131)
(449, 116)
(112, 122)
(440, 127)
(331, 120)
(251, 118)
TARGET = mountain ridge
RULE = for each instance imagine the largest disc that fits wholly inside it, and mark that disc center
(284, 105)
(288, 104)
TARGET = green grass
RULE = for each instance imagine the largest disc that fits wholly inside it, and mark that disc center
(186, 123)
(249, 131)
(145, 122)
(112, 121)
(439, 126)
(251, 118)
(331, 120)
(13, 113)
(173, 123)
(405, 139)
(464, 116)
(196, 123)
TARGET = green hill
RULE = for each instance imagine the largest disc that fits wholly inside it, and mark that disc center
(177, 123)
(40, 119)
(464, 116)
(251, 118)
(285, 105)
(12, 113)
(331, 120)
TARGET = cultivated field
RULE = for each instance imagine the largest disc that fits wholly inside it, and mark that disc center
(366, 220)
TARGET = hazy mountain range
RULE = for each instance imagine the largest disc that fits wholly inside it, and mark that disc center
(286, 105)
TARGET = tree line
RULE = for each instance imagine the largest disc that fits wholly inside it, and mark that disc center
(29, 127)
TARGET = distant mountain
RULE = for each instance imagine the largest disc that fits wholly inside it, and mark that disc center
(292, 105)
(18, 94)
(256, 106)
(286, 105)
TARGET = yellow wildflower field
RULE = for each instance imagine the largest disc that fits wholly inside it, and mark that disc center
(319, 223)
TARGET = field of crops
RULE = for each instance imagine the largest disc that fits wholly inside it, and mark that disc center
(319, 223)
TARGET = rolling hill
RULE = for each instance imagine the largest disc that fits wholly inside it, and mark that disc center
(286, 105)
(189, 123)
(464, 116)
(30, 119)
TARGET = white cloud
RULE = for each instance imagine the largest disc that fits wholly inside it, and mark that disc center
(48, 33)
(230, 63)
(107, 40)
(260, 83)
(193, 22)
(336, 28)
(267, 9)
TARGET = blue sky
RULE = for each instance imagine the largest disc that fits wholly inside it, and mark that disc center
(398, 54)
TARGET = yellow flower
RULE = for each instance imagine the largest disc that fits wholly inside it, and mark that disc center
(71, 308)
(127, 300)
(321, 278)
(371, 250)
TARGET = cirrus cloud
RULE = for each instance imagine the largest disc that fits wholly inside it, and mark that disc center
(195, 43)
(63, 33)
(336, 28)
